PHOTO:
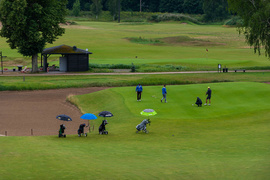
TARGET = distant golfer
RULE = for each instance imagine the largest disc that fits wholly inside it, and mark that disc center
(199, 102)
(164, 94)
(208, 93)
(139, 90)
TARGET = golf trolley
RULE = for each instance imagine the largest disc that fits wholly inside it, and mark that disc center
(102, 129)
(142, 126)
(62, 131)
(81, 130)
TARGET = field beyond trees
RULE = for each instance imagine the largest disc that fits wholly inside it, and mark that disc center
(153, 46)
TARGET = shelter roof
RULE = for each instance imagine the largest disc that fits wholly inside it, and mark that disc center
(65, 49)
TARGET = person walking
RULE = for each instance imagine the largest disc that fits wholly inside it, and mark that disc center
(208, 93)
(139, 90)
(164, 94)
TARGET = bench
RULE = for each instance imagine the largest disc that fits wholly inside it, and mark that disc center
(239, 70)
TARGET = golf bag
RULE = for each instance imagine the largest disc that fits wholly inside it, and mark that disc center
(199, 102)
(81, 130)
(62, 131)
(142, 126)
(102, 129)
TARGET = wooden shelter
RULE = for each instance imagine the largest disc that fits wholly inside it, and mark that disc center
(72, 58)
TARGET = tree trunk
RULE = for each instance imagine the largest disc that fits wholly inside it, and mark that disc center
(34, 63)
(119, 9)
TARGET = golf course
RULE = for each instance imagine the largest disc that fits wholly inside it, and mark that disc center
(227, 140)
(153, 46)
(230, 139)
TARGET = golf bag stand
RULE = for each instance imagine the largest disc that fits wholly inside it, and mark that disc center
(81, 130)
(102, 129)
(62, 131)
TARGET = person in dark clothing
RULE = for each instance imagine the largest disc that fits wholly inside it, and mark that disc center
(139, 90)
(208, 93)
(199, 102)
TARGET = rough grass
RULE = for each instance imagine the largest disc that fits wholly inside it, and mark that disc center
(54, 82)
(188, 41)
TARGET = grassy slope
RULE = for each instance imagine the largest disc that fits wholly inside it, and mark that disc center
(109, 46)
(111, 35)
(228, 140)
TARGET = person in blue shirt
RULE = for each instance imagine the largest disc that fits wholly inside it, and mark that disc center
(139, 90)
(164, 94)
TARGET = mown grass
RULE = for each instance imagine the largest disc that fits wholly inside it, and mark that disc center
(227, 140)
(109, 45)
(78, 81)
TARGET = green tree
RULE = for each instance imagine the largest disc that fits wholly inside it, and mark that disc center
(96, 7)
(76, 8)
(193, 6)
(113, 8)
(29, 24)
(256, 22)
(175, 6)
(215, 10)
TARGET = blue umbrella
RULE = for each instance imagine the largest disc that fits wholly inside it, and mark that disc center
(89, 116)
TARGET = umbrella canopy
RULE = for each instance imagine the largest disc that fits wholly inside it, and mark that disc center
(148, 112)
(105, 114)
(88, 116)
(63, 117)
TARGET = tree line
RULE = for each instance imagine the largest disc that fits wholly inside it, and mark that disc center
(213, 10)
(177, 6)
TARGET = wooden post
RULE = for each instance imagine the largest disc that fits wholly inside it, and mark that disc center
(5, 133)
(32, 132)
(1, 61)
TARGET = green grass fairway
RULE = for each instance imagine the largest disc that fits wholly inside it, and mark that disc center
(228, 140)
(183, 45)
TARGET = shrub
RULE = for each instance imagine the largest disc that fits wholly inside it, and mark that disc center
(133, 68)
(173, 17)
(234, 21)
(141, 40)
(111, 66)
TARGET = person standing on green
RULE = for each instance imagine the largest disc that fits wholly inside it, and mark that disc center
(208, 93)
(164, 94)
(139, 90)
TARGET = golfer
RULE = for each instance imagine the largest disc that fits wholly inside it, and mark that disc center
(139, 90)
(164, 94)
(208, 93)
(199, 102)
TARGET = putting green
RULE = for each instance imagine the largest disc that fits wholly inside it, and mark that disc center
(228, 99)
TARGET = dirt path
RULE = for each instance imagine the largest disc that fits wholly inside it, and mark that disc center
(37, 110)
